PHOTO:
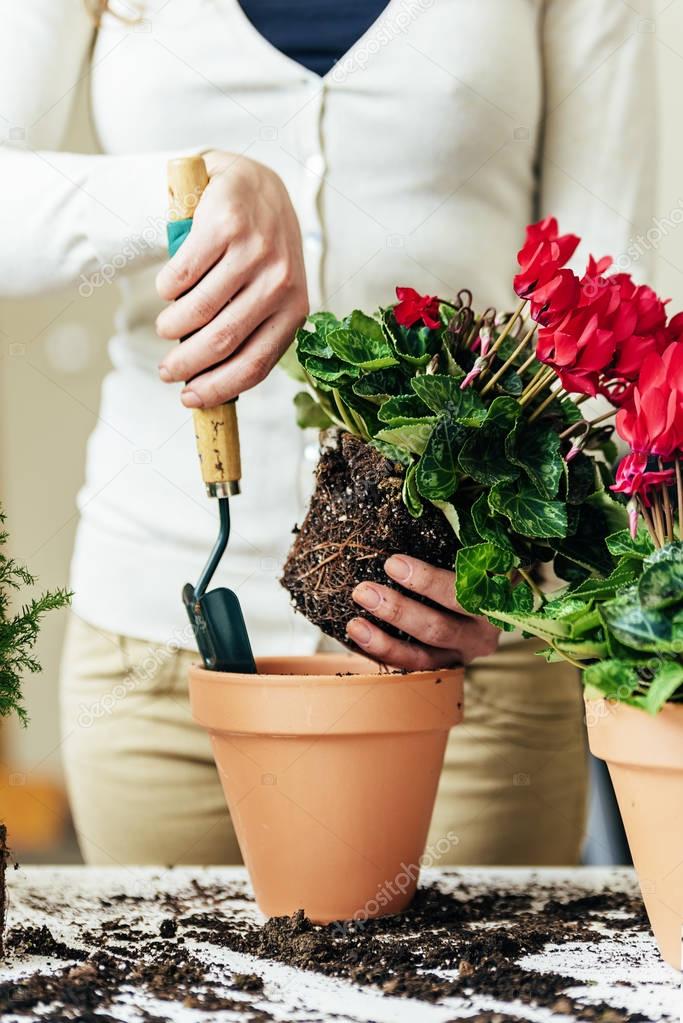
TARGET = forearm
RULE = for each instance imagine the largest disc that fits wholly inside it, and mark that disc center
(69, 216)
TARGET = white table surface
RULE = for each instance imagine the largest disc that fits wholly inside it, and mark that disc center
(628, 974)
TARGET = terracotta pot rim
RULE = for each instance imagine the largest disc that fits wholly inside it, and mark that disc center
(620, 734)
(317, 678)
(669, 707)
(325, 704)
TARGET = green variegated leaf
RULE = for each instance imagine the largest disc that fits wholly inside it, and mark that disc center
(528, 513)
(380, 385)
(613, 679)
(586, 546)
(414, 345)
(582, 649)
(488, 526)
(626, 572)
(622, 542)
(661, 584)
(666, 683)
(480, 577)
(637, 627)
(582, 480)
(482, 585)
(503, 413)
(483, 457)
(403, 409)
(365, 325)
(324, 323)
(536, 450)
(511, 382)
(360, 350)
(437, 470)
(410, 438)
(393, 453)
(443, 394)
(411, 497)
(451, 514)
(309, 414)
(330, 371)
(310, 343)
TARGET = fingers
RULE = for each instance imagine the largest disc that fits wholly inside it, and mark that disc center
(218, 340)
(436, 583)
(434, 628)
(249, 366)
(201, 249)
(206, 299)
(395, 652)
(465, 638)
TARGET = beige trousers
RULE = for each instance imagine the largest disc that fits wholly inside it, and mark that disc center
(144, 789)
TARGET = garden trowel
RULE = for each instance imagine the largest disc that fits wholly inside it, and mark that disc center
(216, 615)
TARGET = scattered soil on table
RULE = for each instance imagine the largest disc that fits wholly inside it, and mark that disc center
(4, 857)
(356, 519)
(444, 945)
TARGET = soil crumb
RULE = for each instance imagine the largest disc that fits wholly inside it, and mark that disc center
(356, 519)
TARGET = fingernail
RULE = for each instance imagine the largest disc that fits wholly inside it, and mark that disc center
(359, 631)
(190, 399)
(368, 596)
(398, 568)
(165, 375)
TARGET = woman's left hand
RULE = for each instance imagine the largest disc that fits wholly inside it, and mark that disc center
(445, 637)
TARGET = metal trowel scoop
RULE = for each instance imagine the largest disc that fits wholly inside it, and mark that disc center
(216, 615)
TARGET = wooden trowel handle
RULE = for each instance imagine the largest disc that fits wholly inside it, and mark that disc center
(215, 429)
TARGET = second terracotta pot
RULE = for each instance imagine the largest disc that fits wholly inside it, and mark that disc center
(645, 759)
(330, 771)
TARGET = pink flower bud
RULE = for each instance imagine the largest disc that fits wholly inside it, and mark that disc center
(473, 373)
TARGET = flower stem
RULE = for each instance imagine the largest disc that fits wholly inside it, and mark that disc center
(538, 383)
(533, 586)
(668, 511)
(508, 362)
(553, 396)
(657, 516)
(507, 328)
(679, 497)
(647, 519)
(525, 365)
(590, 422)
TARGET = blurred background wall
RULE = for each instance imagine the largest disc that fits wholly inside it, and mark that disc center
(52, 359)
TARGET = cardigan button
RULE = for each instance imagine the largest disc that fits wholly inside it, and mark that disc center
(315, 163)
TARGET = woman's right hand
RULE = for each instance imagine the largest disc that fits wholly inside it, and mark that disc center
(237, 284)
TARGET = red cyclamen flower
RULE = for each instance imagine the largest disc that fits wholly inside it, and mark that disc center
(652, 421)
(541, 257)
(633, 477)
(412, 307)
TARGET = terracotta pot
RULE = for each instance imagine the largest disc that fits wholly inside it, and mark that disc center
(330, 772)
(645, 759)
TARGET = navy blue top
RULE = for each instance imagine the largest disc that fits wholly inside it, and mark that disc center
(315, 33)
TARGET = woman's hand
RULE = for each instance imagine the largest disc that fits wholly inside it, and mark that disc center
(445, 637)
(238, 282)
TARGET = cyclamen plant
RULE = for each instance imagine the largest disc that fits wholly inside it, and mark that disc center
(483, 413)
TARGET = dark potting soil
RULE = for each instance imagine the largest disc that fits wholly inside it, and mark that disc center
(4, 860)
(479, 938)
(356, 519)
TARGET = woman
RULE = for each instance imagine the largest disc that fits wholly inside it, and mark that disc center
(417, 158)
